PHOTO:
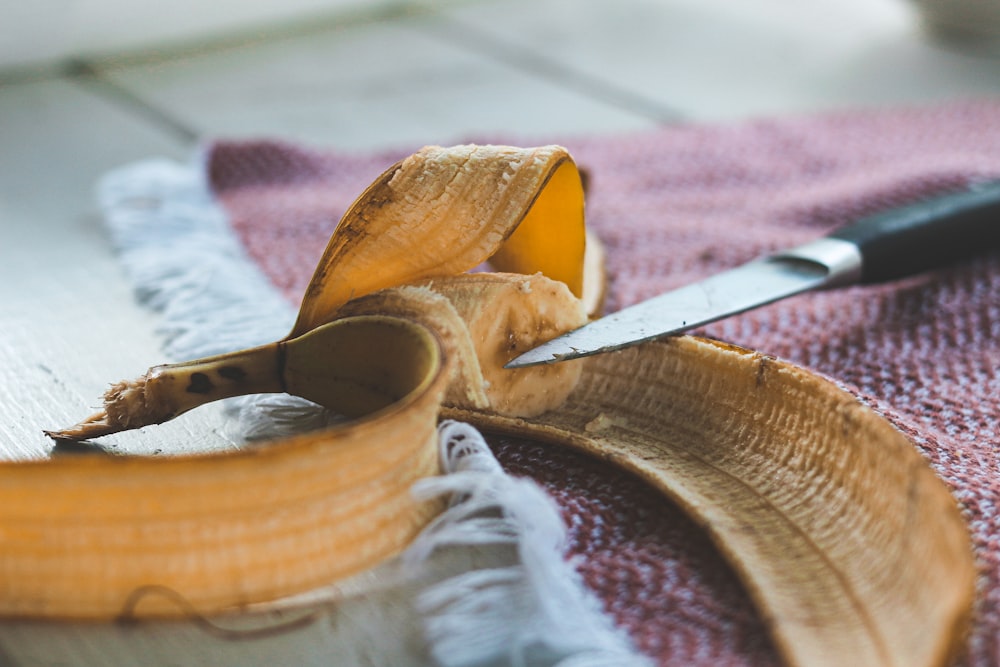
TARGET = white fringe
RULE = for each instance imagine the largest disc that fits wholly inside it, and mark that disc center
(187, 264)
(536, 612)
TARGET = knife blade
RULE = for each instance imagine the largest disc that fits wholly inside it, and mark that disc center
(887, 246)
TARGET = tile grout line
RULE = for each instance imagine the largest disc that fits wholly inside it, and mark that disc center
(165, 51)
(462, 34)
(89, 78)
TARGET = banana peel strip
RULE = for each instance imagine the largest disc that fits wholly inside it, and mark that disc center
(79, 535)
(443, 211)
(849, 545)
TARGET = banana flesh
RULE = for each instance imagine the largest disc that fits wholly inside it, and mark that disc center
(487, 319)
(507, 328)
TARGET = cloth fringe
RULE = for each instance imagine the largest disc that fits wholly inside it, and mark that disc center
(535, 612)
(185, 262)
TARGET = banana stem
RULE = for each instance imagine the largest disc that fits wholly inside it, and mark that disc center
(167, 391)
(93, 426)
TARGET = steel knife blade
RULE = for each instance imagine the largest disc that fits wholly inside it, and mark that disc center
(887, 246)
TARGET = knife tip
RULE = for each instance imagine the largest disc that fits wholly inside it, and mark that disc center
(541, 356)
(526, 361)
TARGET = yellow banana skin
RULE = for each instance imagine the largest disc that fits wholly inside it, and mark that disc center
(169, 390)
(852, 549)
(442, 212)
(79, 536)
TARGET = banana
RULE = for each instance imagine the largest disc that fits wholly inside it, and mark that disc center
(800, 486)
(389, 330)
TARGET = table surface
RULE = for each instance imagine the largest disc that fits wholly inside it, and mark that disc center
(408, 75)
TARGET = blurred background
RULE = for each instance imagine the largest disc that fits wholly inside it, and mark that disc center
(356, 73)
(90, 85)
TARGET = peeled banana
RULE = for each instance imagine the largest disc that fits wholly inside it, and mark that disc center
(507, 314)
(487, 320)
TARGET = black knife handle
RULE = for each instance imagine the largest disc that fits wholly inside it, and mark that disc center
(926, 235)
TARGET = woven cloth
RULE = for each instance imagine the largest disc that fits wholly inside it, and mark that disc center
(680, 203)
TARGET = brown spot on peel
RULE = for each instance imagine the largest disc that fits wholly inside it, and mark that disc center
(200, 384)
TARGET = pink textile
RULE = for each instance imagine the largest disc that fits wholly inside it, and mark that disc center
(677, 204)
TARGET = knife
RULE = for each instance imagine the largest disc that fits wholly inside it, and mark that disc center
(887, 246)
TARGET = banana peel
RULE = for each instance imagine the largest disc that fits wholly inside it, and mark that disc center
(849, 545)
(442, 212)
(845, 539)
